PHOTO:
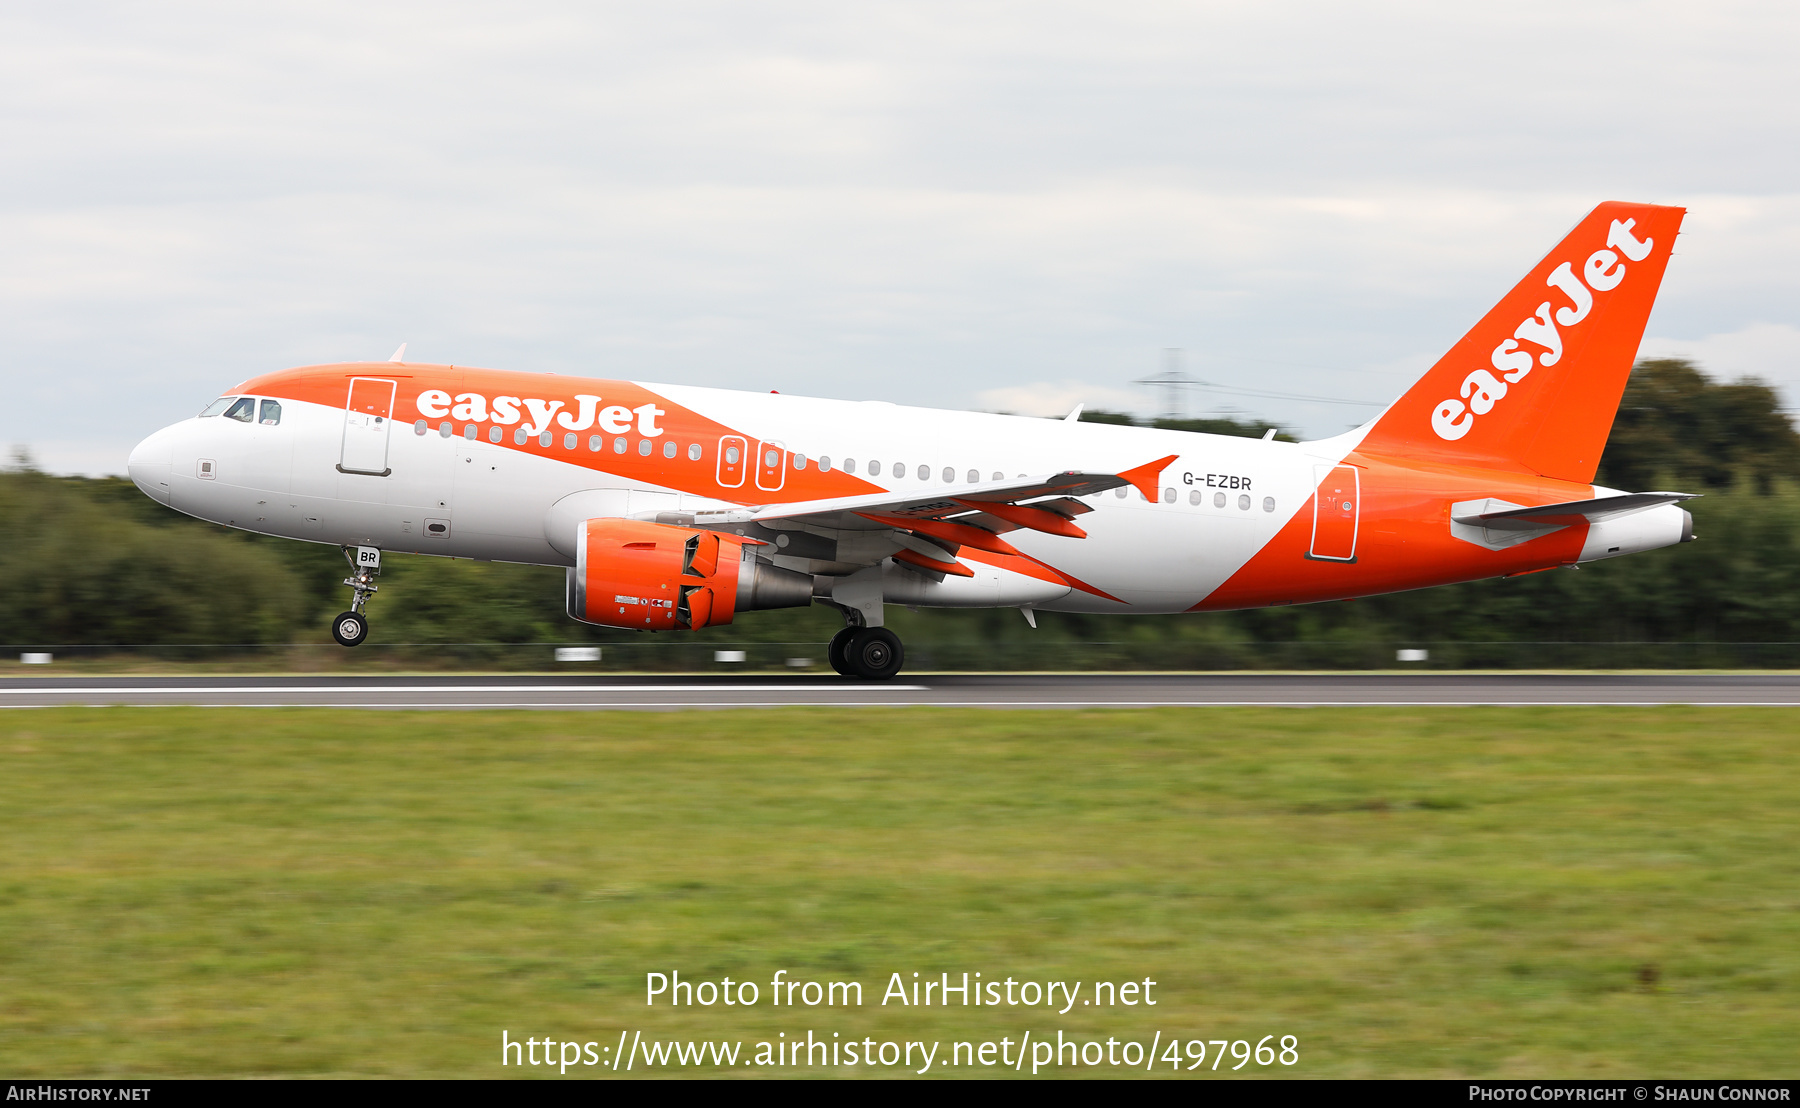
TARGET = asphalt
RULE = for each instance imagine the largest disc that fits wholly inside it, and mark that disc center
(947, 690)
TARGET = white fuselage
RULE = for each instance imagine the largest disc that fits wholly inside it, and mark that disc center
(1223, 498)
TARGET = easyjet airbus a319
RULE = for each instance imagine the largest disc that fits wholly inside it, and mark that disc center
(674, 507)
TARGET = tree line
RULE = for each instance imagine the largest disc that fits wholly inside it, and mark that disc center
(94, 561)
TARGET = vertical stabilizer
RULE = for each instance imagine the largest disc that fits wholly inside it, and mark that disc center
(1535, 385)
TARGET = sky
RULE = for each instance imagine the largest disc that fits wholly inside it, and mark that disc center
(1002, 206)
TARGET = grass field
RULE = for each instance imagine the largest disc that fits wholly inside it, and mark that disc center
(1458, 892)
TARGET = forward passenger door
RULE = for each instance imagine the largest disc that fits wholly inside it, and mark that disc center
(368, 417)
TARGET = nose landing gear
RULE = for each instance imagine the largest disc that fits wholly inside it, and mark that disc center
(352, 627)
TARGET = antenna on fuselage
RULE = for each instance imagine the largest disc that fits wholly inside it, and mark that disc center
(399, 355)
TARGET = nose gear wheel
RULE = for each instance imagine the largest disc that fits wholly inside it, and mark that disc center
(349, 628)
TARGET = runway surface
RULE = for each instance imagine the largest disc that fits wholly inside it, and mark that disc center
(944, 690)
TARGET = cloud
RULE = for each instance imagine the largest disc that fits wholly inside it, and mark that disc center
(932, 203)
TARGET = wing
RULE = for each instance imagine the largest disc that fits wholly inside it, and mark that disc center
(926, 529)
(857, 512)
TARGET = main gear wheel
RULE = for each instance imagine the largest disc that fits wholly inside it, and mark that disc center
(840, 643)
(873, 653)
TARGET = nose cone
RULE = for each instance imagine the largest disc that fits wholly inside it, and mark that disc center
(149, 464)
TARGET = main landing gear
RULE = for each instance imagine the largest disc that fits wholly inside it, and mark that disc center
(872, 653)
(352, 627)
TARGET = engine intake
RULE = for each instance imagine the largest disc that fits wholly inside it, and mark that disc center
(658, 577)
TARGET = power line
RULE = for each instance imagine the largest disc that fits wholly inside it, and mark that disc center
(1173, 381)
(1291, 396)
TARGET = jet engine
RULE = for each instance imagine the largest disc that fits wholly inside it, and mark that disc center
(658, 577)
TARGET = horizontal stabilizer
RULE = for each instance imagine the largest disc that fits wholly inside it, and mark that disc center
(1561, 515)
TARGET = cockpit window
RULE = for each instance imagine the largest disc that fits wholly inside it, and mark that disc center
(244, 411)
(271, 413)
(218, 406)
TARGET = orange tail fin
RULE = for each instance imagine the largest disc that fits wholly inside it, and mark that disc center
(1535, 385)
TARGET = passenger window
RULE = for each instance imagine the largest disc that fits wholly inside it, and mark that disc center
(899, 469)
(974, 477)
(874, 469)
(824, 463)
(693, 452)
(271, 413)
(244, 411)
(218, 406)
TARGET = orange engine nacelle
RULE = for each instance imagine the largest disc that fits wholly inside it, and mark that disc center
(658, 577)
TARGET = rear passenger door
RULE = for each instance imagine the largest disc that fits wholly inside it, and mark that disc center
(1337, 506)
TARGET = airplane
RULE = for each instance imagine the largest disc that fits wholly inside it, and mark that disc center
(676, 507)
